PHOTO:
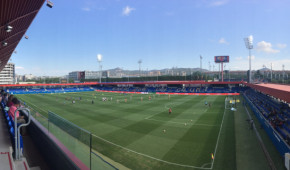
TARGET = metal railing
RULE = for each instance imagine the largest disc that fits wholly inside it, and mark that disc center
(76, 139)
(18, 152)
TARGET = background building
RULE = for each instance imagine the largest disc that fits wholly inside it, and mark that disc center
(83, 75)
(74, 75)
(7, 75)
(91, 74)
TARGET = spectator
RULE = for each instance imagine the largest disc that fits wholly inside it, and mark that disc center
(5, 98)
(13, 108)
(11, 112)
(10, 103)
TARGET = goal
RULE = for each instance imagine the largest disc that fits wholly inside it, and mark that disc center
(230, 103)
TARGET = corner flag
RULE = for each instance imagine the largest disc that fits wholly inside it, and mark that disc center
(212, 157)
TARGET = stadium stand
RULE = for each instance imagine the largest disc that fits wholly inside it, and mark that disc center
(48, 90)
(6, 145)
(273, 114)
(210, 89)
(277, 113)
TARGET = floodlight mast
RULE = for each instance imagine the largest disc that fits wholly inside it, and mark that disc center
(140, 62)
(200, 63)
(249, 46)
(99, 58)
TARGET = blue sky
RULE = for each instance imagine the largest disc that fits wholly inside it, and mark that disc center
(162, 33)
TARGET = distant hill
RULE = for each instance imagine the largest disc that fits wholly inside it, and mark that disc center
(167, 71)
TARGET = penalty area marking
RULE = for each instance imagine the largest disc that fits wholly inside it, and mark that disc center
(199, 124)
(206, 164)
(160, 160)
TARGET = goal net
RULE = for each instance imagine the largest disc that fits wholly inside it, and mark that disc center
(230, 103)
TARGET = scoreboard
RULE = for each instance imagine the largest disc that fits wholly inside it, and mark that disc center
(221, 59)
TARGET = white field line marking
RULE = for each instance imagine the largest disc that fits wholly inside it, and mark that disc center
(201, 124)
(182, 123)
(206, 164)
(165, 106)
(166, 121)
(216, 146)
(151, 116)
(171, 163)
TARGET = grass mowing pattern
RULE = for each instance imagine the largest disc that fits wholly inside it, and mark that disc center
(191, 130)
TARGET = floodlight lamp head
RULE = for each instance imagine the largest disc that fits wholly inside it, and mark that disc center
(249, 42)
(99, 57)
(250, 39)
(4, 43)
(49, 4)
(8, 28)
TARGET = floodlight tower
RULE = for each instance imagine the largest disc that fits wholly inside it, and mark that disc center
(271, 72)
(249, 46)
(209, 66)
(200, 63)
(99, 58)
(283, 69)
(140, 62)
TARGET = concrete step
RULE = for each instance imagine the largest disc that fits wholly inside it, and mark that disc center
(21, 164)
(6, 161)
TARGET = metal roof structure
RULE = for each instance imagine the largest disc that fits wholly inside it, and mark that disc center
(170, 82)
(120, 83)
(15, 18)
(277, 90)
(57, 84)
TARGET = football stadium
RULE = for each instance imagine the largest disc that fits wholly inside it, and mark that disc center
(205, 120)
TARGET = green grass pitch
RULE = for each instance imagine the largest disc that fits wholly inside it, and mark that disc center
(141, 134)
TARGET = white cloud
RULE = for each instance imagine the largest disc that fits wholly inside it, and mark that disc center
(19, 67)
(266, 47)
(281, 45)
(127, 10)
(239, 58)
(219, 2)
(86, 9)
(223, 41)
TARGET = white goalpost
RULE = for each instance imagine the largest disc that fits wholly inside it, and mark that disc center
(229, 103)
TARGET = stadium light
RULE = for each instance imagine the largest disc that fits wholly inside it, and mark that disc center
(249, 46)
(49, 4)
(4, 43)
(8, 28)
(140, 62)
(100, 58)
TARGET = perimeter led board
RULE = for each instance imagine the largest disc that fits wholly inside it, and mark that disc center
(221, 59)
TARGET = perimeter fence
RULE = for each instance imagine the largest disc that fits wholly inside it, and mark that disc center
(76, 139)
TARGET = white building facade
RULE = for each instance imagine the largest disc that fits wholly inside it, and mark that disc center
(7, 75)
